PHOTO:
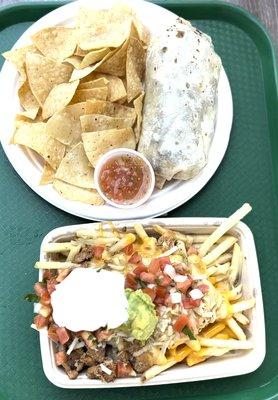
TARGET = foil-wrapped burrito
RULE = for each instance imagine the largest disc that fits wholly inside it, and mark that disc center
(182, 72)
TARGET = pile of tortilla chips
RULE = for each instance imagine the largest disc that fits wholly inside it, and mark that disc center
(82, 94)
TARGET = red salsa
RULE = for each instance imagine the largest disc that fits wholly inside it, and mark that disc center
(124, 179)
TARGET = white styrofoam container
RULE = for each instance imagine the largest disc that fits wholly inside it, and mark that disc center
(238, 363)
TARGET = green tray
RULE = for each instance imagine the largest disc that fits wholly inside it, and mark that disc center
(249, 172)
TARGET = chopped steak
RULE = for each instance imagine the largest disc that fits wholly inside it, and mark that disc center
(97, 354)
(74, 360)
(71, 373)
(85, 254)
(87, 360)
(131, 347)
(124, 369)
(141, 363)
(123, 356)
(99, 371)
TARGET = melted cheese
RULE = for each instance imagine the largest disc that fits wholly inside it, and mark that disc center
(89, 300)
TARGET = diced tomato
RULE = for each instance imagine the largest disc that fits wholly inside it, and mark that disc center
(165, 280)
(161, 291)
(192, 250)
(60, 358)
(40, 289)
(180, 323)
(45, 299)
(140, 268)
(147, 277)
(150, 292)
(159, 300)
(47, 274)
(163, 261)
(52, 334)
(98, 250)
(51, 283)
(204, 288)
(154, 266)
(130, 281)
(63, 335)
(168, 301)
(184, 286)
(190, 303)
(40, 321)
(135, 258)
(128, 250)
(123, 369)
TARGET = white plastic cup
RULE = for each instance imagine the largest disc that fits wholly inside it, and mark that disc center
(123, 152)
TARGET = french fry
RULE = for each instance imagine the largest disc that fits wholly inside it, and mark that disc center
(174, 234)
(55, 265)
(243, 305)
(241, 318)
(140, 231)
(224, 258)
(235, 264)
(232, 344)
(213, 329)
(193, 359)
(194, 345)
(129, 238)
(229, 332)
(75, 250)
(233, 325)
(58, 247)
(156, 370)
(219, 250)
(224, 227)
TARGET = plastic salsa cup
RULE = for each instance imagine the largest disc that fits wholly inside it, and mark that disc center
(124, 178)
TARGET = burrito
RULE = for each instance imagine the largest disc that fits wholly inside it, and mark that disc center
(182, 73)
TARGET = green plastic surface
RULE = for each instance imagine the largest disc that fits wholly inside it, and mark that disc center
(249, 172)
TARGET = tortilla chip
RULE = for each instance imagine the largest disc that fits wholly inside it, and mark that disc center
(95, 122)
(94, 56)
(142, 31)
(34, 136)
(82, 73)
(75, 168)
(138, 106)
(97, 29)
(75, 61)
(28, 115)
(59, 97)
(65, 126)
(17, 58)
(94, 84)
(75, 193)
(159, 182)
(98, 143)
(116, 64)
(56, 42)
(81, 53)
(48, 174)
(26, 97)
(110, 109)
(135, 68)
(116, 87)
(89, 94)
(43, 74)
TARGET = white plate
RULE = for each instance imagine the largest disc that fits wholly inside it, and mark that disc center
(29, 166)
(239, 363)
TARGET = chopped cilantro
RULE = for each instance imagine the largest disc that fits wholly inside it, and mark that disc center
(189, 333)
(141, 283)
(32, 297)
(91, 337)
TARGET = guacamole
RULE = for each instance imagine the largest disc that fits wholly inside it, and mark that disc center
(142, 318)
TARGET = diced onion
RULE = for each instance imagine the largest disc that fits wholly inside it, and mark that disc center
(180, 278)
(196, 294)
(105, 369)
(170, 271)
(175, 297)
(72, 346)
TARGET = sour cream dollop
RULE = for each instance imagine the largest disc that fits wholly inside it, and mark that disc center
(88, 300)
